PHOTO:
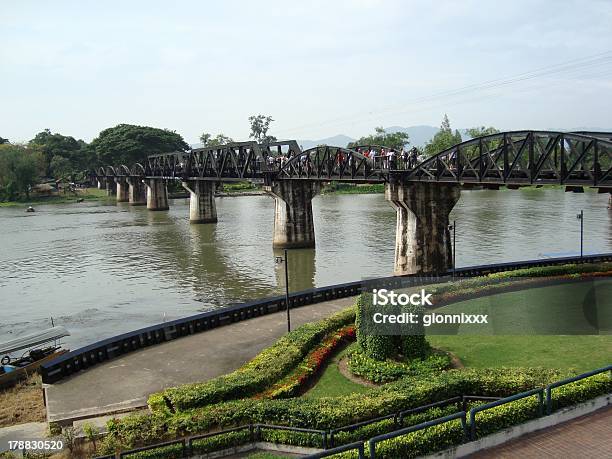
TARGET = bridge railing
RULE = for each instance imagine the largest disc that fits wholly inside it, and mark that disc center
(550, 387)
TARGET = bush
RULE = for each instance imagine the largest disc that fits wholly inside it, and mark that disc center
(265, 369)
(581, 391)
(221, 441)
(163, 452)
(390, 370)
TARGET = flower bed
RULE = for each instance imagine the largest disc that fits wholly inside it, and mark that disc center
(261, 372)
(295, 382)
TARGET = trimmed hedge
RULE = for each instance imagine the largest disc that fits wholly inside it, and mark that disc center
(377, 371)
(257, 375)
(328, 413)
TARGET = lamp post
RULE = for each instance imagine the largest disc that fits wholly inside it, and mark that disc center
(281, 260)
(580, 217)
(453, 228)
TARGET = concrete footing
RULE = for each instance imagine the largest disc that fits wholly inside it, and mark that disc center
(293, 222)
(137, 192)
(122, 189)
(422, 237)
(202, 208)
(101, 183)
(157, 194)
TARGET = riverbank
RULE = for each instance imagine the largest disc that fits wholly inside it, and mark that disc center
(87, 194)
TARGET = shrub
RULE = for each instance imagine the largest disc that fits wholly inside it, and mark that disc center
(390, 370)
(163, 452)
(581, 391)
(222, 441)
(265, 369)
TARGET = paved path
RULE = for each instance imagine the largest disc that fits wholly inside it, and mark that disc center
(27, 431)
(588, 436)
(126, 382)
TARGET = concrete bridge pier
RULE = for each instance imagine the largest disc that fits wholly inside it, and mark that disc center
(293, 222)
(111, 187)
(202, 208)
(137, 193)
(101, 183)
(122, 189)
(422, 239)
(157, 194)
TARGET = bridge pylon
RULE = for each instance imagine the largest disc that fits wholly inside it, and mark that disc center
(202, 207)
(157, 194)
(122, 189)
(293, 221)
(137, 192)
(422, 237)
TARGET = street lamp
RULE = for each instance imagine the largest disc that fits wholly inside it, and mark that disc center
(453, 229)
(281, 260)
(580, 217)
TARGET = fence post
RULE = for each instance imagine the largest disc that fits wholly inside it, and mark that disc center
(372, 449)
(472, 424)
(361, 451)
(548, 399)
(541, 403)
(464, 426)
(324, 439)
(184, 445)
(331, 438)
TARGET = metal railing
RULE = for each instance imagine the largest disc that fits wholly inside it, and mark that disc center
(181, 443)
(563, 382)
(539, 392)
(358, 446)
(110, 348)
(255, 430)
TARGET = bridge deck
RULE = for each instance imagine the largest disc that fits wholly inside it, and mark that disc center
(125, 383)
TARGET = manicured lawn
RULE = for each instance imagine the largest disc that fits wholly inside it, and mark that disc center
(524, 327)
(333, 384)
(581, 353)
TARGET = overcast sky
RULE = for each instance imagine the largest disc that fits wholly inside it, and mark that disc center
(320, 68)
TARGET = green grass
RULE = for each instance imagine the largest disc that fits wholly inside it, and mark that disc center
(267, 455)
(581, 353)
(524, 328)
(332, 383)
(345, 188)
(90, 194)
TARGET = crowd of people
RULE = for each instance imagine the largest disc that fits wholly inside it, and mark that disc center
(338, 159)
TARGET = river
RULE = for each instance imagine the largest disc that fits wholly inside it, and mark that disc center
(101, 268)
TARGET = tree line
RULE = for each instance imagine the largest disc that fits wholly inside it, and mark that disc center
(50, 157)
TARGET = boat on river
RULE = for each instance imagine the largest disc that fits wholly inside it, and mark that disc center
(35, 349)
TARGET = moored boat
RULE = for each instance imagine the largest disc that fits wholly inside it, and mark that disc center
(35, 349)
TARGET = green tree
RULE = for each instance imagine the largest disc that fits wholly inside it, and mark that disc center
(61, 167)
(444, 138)
(259, 129)
(209, 141)
(53, 145)
(481, 131)
(396, 140)
(20, 169)
(129, 144)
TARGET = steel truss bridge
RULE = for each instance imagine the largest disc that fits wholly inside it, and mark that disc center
(512, 158)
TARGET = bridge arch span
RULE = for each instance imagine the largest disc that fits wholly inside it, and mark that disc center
(521, 158)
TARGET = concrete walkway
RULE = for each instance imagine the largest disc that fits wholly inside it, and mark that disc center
(125, 383)
(27, 431)
(588, 436)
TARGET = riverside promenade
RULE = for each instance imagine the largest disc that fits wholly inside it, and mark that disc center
(125, 383)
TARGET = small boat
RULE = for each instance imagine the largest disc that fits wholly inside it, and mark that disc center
(30, 209)
(39, 348)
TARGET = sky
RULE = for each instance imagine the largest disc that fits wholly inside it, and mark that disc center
(319, 68)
